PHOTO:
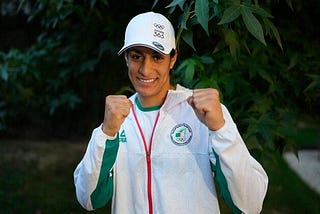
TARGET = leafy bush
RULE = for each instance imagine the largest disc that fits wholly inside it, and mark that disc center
(269, 82)
(266, 88)
(51, 73)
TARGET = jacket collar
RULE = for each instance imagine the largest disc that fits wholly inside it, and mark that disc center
(174, 97)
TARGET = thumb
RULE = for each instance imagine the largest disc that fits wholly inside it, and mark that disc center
(190, 101)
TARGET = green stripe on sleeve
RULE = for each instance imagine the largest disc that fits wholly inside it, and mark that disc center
(104, 189)
(223, 185)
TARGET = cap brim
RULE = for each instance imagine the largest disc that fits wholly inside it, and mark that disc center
(123, 49)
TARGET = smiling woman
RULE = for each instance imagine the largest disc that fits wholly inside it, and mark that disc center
(149, 72)
(157, 151)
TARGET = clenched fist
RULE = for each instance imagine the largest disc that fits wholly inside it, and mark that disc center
(207, 107)
(117, 108)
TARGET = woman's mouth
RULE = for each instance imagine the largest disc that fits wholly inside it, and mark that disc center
(147, 80)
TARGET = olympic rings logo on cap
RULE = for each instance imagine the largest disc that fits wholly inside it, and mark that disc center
(158, 26)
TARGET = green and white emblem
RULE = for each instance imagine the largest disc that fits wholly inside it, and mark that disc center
(181, 134)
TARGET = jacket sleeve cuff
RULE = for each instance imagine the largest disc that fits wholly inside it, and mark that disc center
(101, 136)
(226, 136)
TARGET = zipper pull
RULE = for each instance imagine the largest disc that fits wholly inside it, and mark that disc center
(148, 157)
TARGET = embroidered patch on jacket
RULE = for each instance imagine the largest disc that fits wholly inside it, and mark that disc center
(122, 137)
(181, 134)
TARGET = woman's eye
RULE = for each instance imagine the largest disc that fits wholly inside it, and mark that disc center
(157, 57)
(135, 56)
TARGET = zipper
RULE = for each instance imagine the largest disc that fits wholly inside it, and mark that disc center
(149, 183)
(147, 149)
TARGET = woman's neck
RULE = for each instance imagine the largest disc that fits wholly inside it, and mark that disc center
(147, 102)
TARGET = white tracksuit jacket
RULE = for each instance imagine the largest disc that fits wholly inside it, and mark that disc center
(177, 176)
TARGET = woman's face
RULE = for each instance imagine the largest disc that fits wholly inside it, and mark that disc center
(149, 72)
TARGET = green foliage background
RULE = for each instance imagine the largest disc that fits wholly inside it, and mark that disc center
(263, 56)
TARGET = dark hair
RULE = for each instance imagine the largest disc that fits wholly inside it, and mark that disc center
(172, 53)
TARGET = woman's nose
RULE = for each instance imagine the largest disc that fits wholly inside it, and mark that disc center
(145, 67)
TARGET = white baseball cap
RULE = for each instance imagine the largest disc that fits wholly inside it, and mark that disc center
(151, 30)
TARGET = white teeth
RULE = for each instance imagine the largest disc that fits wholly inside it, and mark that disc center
(147, 81)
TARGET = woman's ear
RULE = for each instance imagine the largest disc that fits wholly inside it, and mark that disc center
(126, 57)
(173, 59)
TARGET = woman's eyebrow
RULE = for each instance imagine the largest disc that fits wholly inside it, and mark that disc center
(153, 52)
(135, 50)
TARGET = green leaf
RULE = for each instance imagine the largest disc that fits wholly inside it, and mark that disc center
(154, 3)
(252, 24)
(231, 39)
(88, 65)
(252, 143)
(105, 45)
(270, 27)
(174, 3)
(187, 68)
(202, 13)
(187, 36)
(230, 14)
(92, 3)
(266, 76)
(207, 59)
(190, 69)
(315, 83)
(183, 19)
(289, 3)
(4, 73)
(258, 10)
(205, 82)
